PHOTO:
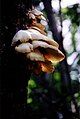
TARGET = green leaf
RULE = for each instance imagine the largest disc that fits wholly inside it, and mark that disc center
(29, 100)
(29, 90)
(31, 83)
(64, 10)
(57, 76)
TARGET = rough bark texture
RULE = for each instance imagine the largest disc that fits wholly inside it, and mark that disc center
(14, 71)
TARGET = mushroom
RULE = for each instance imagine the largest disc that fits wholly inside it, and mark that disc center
(25, 35)
(50, 52)
(35, 34)
(24, 48)
(41, 62)
(22, 36)
(36, 12)
(41, 51)
(36, 56)
(47, 66)
(32, 16)
(37, 19)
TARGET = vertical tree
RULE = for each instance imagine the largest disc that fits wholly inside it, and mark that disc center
(14, 73)
(14, 66)
(58, 37)
(64, 69)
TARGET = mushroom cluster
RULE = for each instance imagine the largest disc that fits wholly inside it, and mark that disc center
(35, 44)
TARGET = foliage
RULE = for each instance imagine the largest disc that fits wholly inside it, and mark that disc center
(44, 96)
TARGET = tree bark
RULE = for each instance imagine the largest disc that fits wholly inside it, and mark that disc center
(64, 69)
(14, 70)
(58, 37)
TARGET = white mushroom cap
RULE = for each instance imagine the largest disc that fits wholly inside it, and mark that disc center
(31, 16)
(22, 36)
(36, 12)
(43, 18)
(51, 53)
(24, 48)
(37, 35)
(25, 35)
(42, 44)
(35, 56)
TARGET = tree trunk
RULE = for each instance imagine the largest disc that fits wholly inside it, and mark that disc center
(14, 70)
(58, 37)
(64, 69)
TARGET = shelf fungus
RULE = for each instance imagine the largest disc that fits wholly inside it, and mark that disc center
(41, 51)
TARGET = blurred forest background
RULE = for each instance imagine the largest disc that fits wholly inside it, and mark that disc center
(44, 96)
